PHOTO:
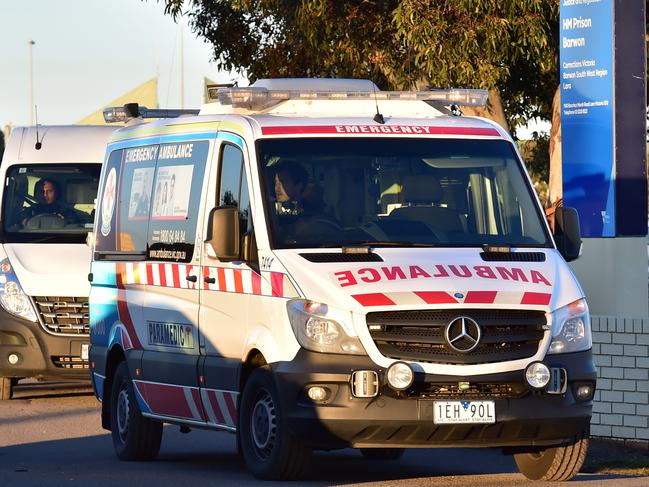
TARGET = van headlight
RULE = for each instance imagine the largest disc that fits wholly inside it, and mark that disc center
(317, 328)
(12, 297)
(571, 328)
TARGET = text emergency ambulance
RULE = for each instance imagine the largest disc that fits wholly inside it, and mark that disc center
(50, 176)
(316, 264)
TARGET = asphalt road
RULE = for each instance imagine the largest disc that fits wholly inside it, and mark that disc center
(50, 436)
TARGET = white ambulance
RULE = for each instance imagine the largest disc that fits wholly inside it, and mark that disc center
(50, 176)
(317, 264)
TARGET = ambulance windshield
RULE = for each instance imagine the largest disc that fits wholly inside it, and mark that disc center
(49, 202)
(329, 192)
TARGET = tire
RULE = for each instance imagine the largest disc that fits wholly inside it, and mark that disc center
(134, 436)
(382, 453)
(270, 451)
(6, 388)
(554, 464)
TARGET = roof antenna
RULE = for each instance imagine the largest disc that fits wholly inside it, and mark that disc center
(38, 144)
(378, 118)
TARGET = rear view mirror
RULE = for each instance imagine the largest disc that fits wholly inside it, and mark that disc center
(567, 234)
(223, 232)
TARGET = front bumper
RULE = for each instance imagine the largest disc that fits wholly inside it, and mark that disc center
(533, 419)
(41, 354)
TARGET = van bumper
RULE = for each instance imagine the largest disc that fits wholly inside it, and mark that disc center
(533, 419)
(41, 354)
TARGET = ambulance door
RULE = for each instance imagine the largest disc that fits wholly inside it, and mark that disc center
(169, 383)
(225, 298)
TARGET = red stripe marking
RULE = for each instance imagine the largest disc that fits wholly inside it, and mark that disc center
(221, 275)
(232, 409)
(199, 404)
(256, 283)
(167, 400)
(436, 297)
(480, 297)
(542, 299)
(238, 281)
(215, 406)
(277, 283)
(374, 130)
(149, 273)
(176, 275)
(122, 306)
(373, 299)
(162, 274)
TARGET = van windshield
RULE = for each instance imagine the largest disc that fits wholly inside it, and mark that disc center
(49, 202)
(329, 192)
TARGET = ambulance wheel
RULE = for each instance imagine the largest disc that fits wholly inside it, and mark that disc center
(6, 388)
(554, 464)
(270, 451)
(382, 453)
(134, 436)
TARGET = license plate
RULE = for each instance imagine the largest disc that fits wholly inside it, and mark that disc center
(84, 351)
(458, 412)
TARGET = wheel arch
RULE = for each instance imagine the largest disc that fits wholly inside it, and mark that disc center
(115, 356)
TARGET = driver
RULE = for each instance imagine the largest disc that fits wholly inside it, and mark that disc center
(293, 193)
(46, 192)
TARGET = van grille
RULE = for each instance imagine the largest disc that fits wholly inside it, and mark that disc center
(68, 315)
(480, 390)
(419, 335)
(69, 362)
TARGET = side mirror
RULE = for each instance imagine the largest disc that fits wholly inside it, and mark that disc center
(223, 232)
(567, 234)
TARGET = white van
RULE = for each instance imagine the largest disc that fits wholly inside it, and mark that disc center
(49, 184)
(316, 264)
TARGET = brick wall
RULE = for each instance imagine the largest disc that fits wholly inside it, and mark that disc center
(621, 353)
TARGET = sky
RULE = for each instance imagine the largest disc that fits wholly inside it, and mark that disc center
(88, 52)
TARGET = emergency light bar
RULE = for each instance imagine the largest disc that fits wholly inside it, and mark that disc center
(255, 98)
(133, 110)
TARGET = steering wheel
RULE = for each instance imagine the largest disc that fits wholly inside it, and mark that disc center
(45, 221)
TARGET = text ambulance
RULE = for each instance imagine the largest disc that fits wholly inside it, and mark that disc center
(316, 264)
(50, 176)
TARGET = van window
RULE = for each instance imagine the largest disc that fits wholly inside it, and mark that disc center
(233, 189)
(176, 200)
(49, 202)
(328, 192)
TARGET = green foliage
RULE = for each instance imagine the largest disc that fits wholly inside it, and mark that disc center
(509, 46)
(536, 154)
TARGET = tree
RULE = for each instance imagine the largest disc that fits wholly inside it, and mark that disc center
(507, 47)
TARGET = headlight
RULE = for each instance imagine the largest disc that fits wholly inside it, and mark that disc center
(571, 328)
(316, 328)
(12, 297)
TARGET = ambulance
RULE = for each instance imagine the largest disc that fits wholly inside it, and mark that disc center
(50, 176)
(313, 264)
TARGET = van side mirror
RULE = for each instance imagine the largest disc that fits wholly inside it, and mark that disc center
(223, 232)
(567, 234)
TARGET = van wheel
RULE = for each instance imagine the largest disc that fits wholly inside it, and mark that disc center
(554, 464)
(134, 436)
(270, 451)
(382, 453)
(6, 388)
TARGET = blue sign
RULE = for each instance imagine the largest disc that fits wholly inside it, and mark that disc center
(587, 113)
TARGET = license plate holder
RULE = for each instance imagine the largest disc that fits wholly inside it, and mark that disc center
(464, 412)
(85, 347)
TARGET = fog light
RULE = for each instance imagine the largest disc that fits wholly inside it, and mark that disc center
(317, 393)
(400, 376)
(537, 375)
(13, 358)
(584, 392)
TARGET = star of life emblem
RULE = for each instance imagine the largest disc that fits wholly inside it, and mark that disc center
(108, 202)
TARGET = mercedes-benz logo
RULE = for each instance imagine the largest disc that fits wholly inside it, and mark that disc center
(463, 334)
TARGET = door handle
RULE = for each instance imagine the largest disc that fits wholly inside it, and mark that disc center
(209, 280)
(191, 278)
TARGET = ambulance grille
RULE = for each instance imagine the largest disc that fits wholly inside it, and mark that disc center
(420, 335)
(66, 315)
(69, 362)
(479, 390)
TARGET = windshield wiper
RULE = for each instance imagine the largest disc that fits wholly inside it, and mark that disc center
(380, 243)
